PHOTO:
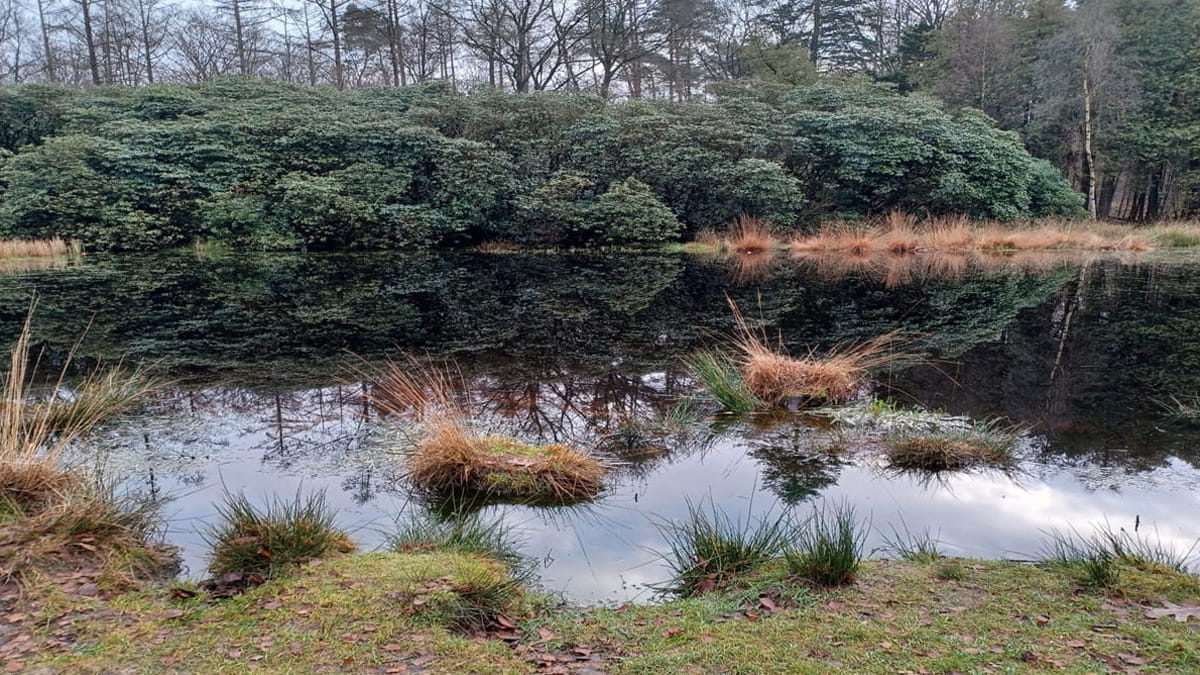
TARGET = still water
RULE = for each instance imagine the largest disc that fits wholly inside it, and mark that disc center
(1084, 352)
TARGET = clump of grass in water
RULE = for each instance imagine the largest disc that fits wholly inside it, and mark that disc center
(274, 539)
(919, 547)
(830, 547)
(708, 550)
(464, 534)
(835, 376)
(983, 444)
(720, 377)
(101, 395)
(453, 459)
(1181, 410)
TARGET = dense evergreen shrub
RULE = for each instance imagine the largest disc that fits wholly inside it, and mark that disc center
(270, 165)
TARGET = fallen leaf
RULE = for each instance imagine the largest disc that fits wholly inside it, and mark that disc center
(1043, 620)
(1076, 644)
(547, 634)
(1132, 659)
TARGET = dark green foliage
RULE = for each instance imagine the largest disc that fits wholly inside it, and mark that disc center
(271, 540)
(830, 547)
(709, 550)
(269, 165)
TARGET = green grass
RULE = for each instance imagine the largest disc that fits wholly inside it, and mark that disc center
(273, 539)
(951, 571)
(1177, 239)
(709, 549)
(830, 546)
(719, 376)
(919, 547)
(469, 534)
(1097, 560)
(394, 612)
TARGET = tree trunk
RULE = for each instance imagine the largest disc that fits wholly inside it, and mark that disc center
(90, 39)
(1089, 156)
(51, 71)
(338, 78)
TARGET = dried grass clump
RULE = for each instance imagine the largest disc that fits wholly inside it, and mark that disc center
(901, 234)
(39, 248)
(56, 513)
(452, 458)
(837, 375)
(452, 461)
(751, 236)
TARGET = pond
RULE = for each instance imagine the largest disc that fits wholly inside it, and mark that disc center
(1085, 353)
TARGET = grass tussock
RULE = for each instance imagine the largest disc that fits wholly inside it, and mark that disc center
(274, 539)
(834, 376)
(1096, 558)
(51, 507)
(719, 375)
(921, 547)
(830, 547)
(708, 550)
(452, 460)
(101, 395)
(468, 534)
(986, 444)
(39, 248)
(750, 236)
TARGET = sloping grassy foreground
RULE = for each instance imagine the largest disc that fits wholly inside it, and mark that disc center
(357, 614)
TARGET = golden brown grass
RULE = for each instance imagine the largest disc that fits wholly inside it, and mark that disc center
(453, 458)
(50, 507)
(751, 236)
(452, 461)
(837, 375)
(901, 234)
(38, 248)
(496, 246)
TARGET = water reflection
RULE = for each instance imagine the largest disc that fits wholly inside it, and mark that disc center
(583, 349)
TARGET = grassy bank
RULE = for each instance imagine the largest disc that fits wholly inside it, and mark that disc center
(363, 613)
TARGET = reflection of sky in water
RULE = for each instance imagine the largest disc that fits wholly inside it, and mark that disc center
(603, 552)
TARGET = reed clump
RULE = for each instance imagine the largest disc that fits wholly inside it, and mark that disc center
(901, 234)
(452, 458)
(750, 236)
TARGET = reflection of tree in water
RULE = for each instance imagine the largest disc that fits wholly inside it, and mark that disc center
(797, 460)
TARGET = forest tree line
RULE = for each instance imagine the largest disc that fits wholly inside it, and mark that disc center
(1105, 89)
